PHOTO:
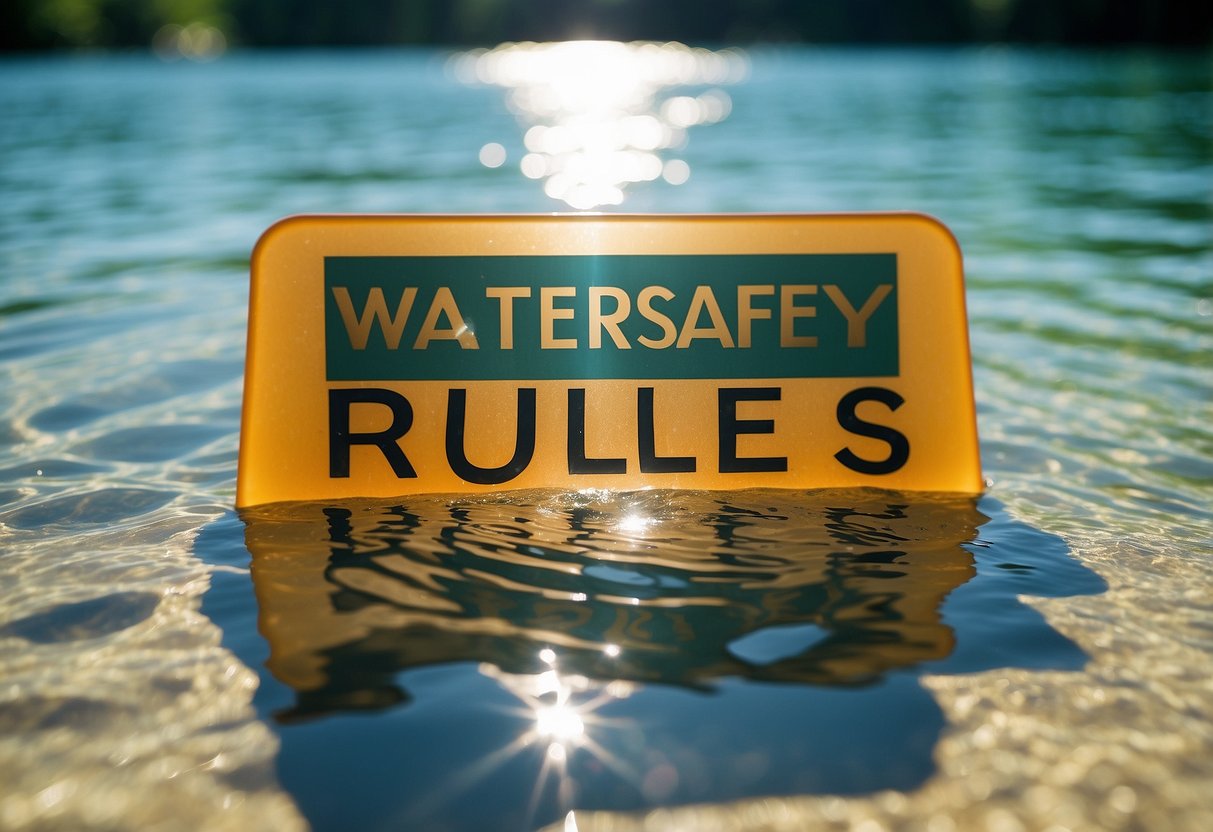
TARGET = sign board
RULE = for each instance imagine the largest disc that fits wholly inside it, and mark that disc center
(393, 355)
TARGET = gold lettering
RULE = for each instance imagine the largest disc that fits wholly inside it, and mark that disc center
(644, 305)
(701, 300)
(506, 296)
(857, 322)
(359, 329)
(444, 304)
(549, 314)
(599, 321)
(747, 314)
(789, 312)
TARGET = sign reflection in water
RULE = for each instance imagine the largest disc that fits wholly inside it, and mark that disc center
(601, 114)
(557, 651)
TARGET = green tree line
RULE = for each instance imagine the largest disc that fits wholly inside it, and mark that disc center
(49, 24)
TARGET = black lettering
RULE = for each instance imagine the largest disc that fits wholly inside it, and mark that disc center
(578, 463)
(650, 463)
(340, 438)
(524, 440)
(899, 446)
(731, 427)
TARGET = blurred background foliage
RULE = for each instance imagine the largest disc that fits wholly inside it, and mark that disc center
(49, 24)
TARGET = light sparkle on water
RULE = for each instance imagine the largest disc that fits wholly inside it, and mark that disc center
(598, 115)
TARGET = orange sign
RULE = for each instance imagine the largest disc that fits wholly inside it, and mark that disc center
(393, 355)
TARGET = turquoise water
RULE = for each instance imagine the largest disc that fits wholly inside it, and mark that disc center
(1039, 657)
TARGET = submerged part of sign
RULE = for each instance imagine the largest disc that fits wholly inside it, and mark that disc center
(394, 355)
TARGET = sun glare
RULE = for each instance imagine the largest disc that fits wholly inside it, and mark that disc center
(559, 723)
(600, 115)
(559, 713)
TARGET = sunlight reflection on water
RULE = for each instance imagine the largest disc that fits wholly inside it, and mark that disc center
(600, 114)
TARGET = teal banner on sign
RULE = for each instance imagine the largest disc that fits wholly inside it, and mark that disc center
(752, 316)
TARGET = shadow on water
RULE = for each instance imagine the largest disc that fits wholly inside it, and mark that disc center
(495, 663)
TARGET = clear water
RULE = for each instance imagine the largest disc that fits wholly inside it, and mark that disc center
(1039, 657)
(524, 656)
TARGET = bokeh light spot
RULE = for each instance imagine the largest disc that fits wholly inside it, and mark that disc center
(676, 172)
(492, 155)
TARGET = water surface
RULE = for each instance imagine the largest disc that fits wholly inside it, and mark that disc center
(504, 661)
(155, 669)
